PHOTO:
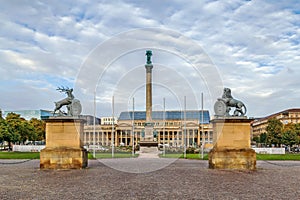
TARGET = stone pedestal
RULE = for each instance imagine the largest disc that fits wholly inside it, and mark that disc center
(147, 144)
(64, 148)
(148, 138)
(148, 134)
(231, 138)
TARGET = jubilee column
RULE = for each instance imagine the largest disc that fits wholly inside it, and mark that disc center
(148, 139)
(148, 67)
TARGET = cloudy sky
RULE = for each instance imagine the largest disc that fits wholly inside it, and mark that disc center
(98, 48)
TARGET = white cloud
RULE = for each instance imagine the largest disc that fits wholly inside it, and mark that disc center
(255, 44)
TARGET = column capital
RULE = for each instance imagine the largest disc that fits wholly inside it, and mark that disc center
(149, 68)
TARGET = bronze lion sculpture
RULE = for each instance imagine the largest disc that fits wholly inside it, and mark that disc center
(229, 101)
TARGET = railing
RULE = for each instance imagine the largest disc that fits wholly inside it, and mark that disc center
(28, 148)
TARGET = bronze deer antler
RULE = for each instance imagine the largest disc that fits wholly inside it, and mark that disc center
(63, 89)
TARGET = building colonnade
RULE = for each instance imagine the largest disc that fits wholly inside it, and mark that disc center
(172, 136)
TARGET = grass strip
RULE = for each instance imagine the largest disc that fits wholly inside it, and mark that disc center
(277, 156)
(36, 155)
(109, 155)
(19, 155)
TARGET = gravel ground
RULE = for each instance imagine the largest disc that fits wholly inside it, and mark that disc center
(180, 179)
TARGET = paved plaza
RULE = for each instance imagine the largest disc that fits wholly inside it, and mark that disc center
(149, 178)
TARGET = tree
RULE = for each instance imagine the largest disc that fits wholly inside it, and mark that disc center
(291, 134)
(263, 138)
(28, 132)
(16, 129)
(39, 128)
(289, 138)
(297, 131)
(274, 131)
(256, 139)
(3, 129)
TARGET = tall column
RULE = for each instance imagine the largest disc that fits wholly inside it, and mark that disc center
(187, 137)
(198, 137)
(149, 67)
(148, 125)
(148, 142)
(193, 137)
(107, 139)
(116, 138)
(121, 136)
(173, 138)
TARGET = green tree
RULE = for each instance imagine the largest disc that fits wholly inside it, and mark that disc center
(28, 132)
(256, 139)
(3, 129)
(14, 124)
(15, 129)
(263, 138)
(274, 131)
(39, 128)
(290, 138)
(291, 134)
(297, 131)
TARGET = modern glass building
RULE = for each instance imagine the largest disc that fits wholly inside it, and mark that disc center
(28, 114)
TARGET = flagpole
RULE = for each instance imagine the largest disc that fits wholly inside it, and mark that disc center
(94, 128)
(113, 128)
(202, 128)
(164, 121)
(185, 137)
(133, 127)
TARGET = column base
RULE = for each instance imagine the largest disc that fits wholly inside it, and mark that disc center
(224, 158)
(148, 144)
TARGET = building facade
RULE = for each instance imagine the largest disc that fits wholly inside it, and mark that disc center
(173, 128)
(287, 116)
(108, 120)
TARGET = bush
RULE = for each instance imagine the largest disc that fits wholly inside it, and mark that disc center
(190, 150)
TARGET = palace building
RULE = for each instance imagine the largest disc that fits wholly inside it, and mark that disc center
(172, 128)
(287, 116)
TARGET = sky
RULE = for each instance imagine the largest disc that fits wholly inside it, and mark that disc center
(199, 47)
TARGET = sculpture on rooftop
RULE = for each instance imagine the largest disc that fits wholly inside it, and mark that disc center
(223, 105)
(73, 105)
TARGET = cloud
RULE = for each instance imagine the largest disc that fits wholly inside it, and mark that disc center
(254, 44)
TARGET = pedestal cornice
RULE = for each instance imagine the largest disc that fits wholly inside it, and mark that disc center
(65, 119)
(218, 119)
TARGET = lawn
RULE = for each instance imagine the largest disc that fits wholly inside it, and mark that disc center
(277, 156)
(258, 156)
(36, 155)
(19, 155)
(108, 155)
